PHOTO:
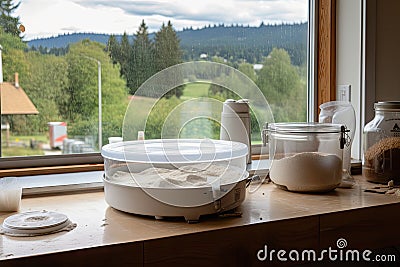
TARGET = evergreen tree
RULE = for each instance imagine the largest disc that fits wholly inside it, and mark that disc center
(113, 49)
(124, 52)
(7, 21)
(167, 47)
(168, 52)
(141, 61)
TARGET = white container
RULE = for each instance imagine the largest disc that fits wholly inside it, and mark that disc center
(114, 139)
(57, 133)
(340, 112)
(10, 194)
(307, 157)
(175, 177)
(235, 123)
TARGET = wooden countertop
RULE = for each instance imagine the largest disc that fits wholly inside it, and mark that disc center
(270, 216)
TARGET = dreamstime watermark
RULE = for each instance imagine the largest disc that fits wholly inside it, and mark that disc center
(339, 253)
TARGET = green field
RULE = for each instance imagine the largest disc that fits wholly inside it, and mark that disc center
(20, 151)
(194, 90)
(20, 145)
(25, 138)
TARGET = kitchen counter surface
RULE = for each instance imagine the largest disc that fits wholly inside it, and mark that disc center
(270, 216)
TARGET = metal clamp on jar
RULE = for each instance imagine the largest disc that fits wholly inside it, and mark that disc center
(307, 157)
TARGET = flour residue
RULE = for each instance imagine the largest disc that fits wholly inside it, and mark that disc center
(198, 175)
(37, 218)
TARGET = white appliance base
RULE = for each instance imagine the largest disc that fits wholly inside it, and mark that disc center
(154, 201)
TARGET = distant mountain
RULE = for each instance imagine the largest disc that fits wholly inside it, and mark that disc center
(250, 43)
(66, 39)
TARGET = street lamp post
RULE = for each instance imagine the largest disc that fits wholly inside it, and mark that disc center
(100, 110)
(99, 100)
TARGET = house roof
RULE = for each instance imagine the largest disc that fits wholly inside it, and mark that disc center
(15, 101)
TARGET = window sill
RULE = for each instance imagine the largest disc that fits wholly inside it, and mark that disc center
(51, 170)
(273, 217)
(61, 183)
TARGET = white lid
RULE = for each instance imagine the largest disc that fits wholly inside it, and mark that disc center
(305, 127)
(33, 223)
(174, 150)
(233, 107)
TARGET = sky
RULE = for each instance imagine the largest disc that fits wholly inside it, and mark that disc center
(45, 18)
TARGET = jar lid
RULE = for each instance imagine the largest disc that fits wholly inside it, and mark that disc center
(305, 127)
(174, 150)
(387, 106)
(233, 107)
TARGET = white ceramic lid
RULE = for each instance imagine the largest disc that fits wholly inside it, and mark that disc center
(34, 223)
(174, 150)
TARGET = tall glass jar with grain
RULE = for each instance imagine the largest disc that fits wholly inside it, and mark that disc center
(381, 144)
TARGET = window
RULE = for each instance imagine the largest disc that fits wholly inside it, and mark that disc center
(64, 78)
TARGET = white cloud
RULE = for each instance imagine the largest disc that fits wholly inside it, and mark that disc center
(51, 17)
